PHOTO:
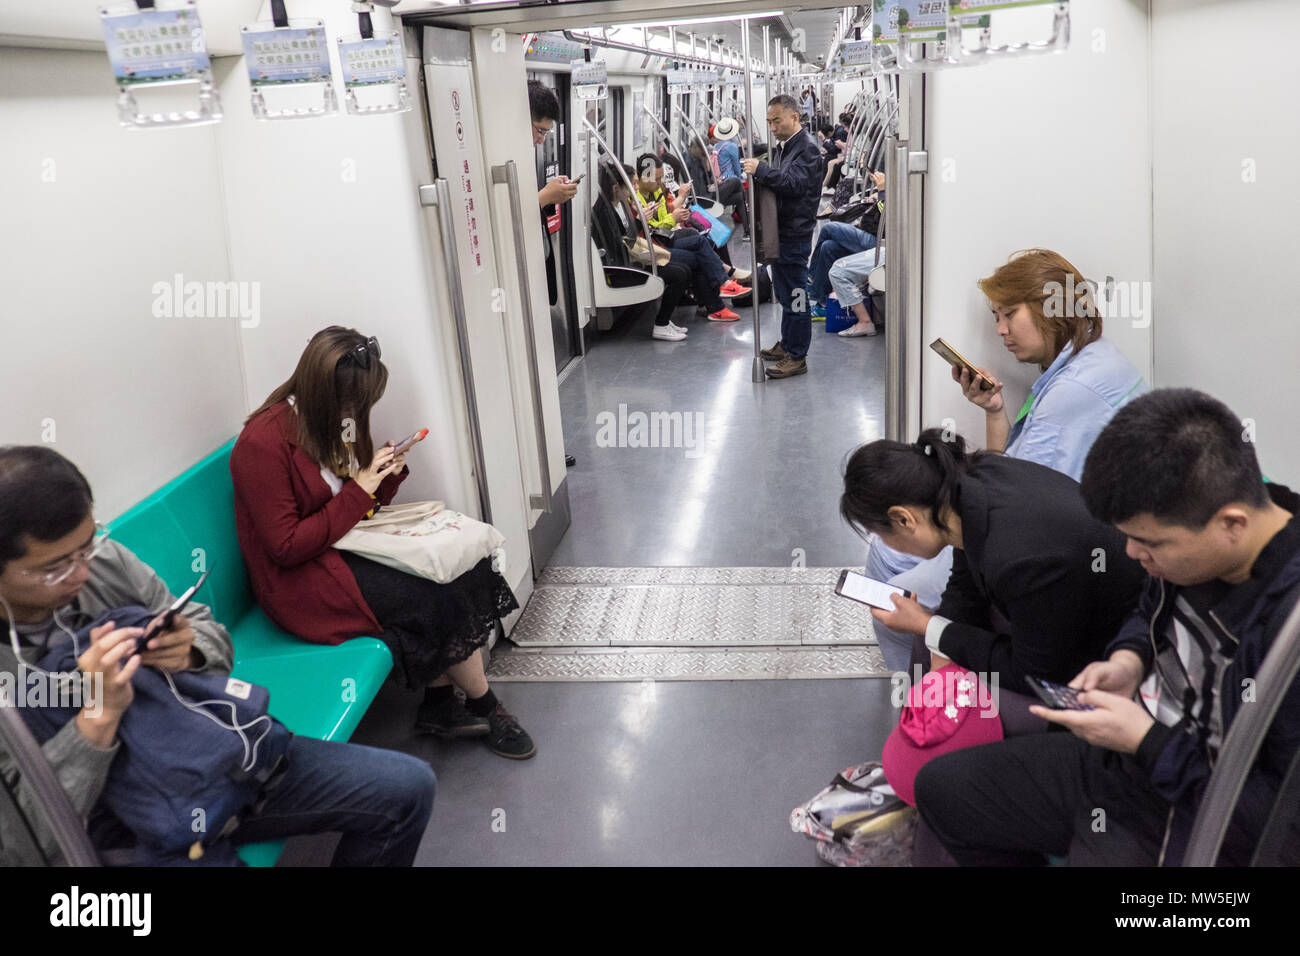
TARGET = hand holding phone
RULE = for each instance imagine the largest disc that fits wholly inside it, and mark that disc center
(169, 616)
(408, 441)
(1057, 696)
(865, 590)
(959, 362)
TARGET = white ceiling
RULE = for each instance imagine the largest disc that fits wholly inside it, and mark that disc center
(817, 18)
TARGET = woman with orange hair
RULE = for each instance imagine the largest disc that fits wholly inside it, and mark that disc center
(1045, 314)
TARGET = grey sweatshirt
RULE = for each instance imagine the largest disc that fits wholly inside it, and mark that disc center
(117, 578)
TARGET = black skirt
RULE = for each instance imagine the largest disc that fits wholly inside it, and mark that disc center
(430, 626)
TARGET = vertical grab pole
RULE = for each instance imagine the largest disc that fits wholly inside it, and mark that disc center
(759, 375)
(767, 71)
(896, 207)
(438, 195)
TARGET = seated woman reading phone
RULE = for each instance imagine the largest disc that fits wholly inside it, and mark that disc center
(301, 485)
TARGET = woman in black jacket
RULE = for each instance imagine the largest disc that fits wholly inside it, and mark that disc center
(1038, 586)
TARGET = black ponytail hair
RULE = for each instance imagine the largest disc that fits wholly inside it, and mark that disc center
(882, 474)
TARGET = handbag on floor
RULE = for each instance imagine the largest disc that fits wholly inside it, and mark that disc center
(858, 820)
(423, 538)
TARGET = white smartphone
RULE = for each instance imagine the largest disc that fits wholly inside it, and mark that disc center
(865, 590)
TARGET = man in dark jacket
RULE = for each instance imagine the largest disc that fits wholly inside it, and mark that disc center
(1222, 551)
(794, 174)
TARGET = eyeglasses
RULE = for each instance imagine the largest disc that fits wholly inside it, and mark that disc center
(361, 354)
(65, 568)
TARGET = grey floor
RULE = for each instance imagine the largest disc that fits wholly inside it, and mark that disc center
(765, 486)
(674, 773)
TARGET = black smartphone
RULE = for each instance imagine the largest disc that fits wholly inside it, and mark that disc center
(865, 590)
(1057, 696)
(169, 616)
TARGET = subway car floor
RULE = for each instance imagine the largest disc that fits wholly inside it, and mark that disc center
(762, 484)
(692, 772)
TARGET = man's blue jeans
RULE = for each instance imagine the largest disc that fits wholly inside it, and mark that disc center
(379, 799)
(789, 274)
(835, 241)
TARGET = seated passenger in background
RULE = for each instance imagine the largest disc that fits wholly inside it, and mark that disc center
(837, 240)
(1024, 549)
(835, 163)
(300, 486)
(57, 576)
(670, 216)
(713, 279)
(614, 222)
(1173, 473)
(1084, 380)
(730, 192)
(830, 148)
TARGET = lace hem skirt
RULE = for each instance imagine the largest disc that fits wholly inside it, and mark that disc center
(430, 626)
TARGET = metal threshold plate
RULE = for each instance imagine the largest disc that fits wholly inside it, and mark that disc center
(627, 624)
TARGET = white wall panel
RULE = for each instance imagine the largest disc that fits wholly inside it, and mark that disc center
(1049, 151)
(94, 215)
(323, 214)
(1227, 211)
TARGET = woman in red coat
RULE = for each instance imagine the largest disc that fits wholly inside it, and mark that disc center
(300, 486)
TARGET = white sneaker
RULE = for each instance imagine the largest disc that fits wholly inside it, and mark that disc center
(677, 328)
(742, 275)
(668, 333)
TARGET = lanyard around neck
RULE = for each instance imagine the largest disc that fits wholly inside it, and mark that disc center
(1026, 408)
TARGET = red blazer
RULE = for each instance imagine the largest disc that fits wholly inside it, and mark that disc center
(287, 521)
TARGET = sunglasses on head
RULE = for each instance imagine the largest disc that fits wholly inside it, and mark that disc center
(364, 350)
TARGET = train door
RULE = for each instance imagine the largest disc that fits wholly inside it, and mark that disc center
(554, 159)
(496, 229)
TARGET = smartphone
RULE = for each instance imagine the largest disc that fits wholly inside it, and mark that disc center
(957, 361)
(170, 616)
(410, 440)
(574, 182)
(1057, 696)
(865, 590)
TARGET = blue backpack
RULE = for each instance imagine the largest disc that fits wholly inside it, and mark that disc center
(197, 751)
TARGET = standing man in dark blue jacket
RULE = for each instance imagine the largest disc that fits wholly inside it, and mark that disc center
(1173, 472)
(794, 174)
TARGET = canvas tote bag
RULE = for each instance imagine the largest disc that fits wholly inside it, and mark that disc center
(424, 538)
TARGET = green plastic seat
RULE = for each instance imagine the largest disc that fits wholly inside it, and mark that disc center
(317, 690)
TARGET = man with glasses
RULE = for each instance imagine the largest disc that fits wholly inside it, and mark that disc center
(60, 571)
(545, 109)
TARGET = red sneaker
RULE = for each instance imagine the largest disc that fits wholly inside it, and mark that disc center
(724, 315)
(732, 288)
